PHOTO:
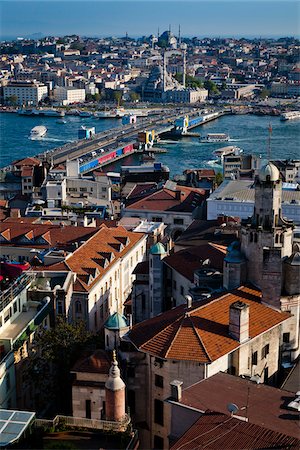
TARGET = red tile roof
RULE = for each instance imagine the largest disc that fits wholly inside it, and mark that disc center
(99, 252)
(267, 406)
(187, 261)
(215, 431)
(203, 328)
(97, 362)
(57, 236)
(27, 171)
(184, 199)
(27, 162)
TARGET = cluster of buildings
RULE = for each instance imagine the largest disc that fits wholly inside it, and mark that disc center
(191, 289)
(186, 301)
(72, 70)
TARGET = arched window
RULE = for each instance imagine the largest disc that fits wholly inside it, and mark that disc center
(277, 239)
(78, 308)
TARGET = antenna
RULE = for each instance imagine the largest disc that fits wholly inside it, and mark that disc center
(232, 408)
(269, 141)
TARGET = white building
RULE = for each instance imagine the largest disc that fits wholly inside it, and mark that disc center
(69, 95)
(236, 198)
(26, 92)
(186, 95)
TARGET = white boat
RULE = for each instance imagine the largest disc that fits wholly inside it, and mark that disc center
(215, 137)
(290, 115)
(85, 114)
(226, 151)
(41, 112)
(38, 131)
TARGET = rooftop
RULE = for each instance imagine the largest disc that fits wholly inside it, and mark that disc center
(266, 405)
(201, 333)
(215, 431)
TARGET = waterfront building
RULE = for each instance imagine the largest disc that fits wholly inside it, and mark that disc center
(240, 166)
(28, 93)
(236, 198)
(68, 95)
(187, 95)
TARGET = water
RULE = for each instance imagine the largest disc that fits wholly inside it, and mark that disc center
(246, 131)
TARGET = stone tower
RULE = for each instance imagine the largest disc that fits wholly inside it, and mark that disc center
(266, 240)
(156, 255)
(234, 269)
(114, 393)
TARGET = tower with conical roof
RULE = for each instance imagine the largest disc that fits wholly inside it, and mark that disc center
(114, 393)
(267, 238)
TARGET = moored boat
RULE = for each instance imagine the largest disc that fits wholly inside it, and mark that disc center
(290, 115)
(215, 137)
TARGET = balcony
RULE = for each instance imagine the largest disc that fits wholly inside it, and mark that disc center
(14, 289)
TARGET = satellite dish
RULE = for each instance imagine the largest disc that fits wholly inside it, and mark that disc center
(232, 408)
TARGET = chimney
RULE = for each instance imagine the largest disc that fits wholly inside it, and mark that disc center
(239, 321)
(176, 390)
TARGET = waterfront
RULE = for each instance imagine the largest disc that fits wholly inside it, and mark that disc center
(246, 131)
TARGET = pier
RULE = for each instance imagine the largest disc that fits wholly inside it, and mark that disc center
(112, 145)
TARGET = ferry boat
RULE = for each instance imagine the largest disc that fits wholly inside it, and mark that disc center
(226, 151)
(38, 131)
(290, 115)
(41, 112)
(215, 137)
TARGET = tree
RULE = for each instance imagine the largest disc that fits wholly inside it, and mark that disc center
(190, 81)
(117, 95)
(97, 97)
(134, 96)
(211, 87)
(12, 100)
(219, 178)
(89, 98)
(264, 93)
(52, 354)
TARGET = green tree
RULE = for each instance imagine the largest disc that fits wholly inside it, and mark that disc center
(264, 93)
(12, 100)
(89, 98)
(134, 96)
(97, 97)
(117, 95)
(211, 87)
(53, 353)
(219, 178)
(190, 81)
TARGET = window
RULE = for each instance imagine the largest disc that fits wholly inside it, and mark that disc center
(266, 374)
(286, 338)
(158, 442)
(95, 319)
(88, 409)
(101, 312)
(178, 221)
(175, 285)
(265, 351)
(156, 219)
(131, 401)
(15, 307)
(159, 381)
(158, 412)
(181, 290)
(78, 308)
(254, 359)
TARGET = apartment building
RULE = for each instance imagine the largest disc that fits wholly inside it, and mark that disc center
(28, 93)
(68, 95)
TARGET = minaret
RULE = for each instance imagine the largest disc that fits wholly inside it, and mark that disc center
(156, 255)
(114, 393)
(179, 37)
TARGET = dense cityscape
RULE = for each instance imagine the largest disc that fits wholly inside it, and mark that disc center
(150, 242)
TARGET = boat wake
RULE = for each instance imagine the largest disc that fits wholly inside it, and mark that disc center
(214, 163)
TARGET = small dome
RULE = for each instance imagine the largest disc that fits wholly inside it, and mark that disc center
(116, 322)
(157, 249)
(234, 254)
(269, 170)
(114, 381)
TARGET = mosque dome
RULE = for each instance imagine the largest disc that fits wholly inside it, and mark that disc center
(234, 254)
(269, 170)
(157, 249)
(116, 322)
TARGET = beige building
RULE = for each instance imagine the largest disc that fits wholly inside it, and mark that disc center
(27, 92)
(68, 95)
(233, 333)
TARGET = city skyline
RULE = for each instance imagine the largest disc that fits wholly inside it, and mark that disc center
(103, 18)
